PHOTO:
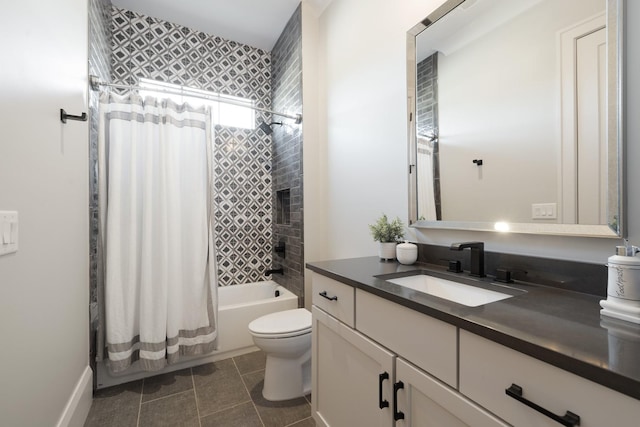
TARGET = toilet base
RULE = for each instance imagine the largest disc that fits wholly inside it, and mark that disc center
(286, 379)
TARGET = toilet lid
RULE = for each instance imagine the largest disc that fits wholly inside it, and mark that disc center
(282, 323)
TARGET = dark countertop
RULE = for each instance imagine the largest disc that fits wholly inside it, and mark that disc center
(560, 327)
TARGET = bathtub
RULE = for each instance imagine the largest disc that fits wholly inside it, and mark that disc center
(238, 305)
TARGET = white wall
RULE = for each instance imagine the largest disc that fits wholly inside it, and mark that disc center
(314, 159)
(362, 75)
(362, 119)
(45, 379)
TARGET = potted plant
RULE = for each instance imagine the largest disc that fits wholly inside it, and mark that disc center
(388, 234)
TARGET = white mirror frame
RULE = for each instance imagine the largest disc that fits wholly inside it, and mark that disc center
(615, 45)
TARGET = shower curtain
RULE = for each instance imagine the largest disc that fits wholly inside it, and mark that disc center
(426, 193)
(156, 235)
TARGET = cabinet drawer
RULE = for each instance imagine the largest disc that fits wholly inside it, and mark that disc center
(487, 369)
(334, 297)
(424, 341)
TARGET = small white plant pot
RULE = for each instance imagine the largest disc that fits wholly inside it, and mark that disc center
(387, 250)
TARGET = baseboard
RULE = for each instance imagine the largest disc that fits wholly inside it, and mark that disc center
(77, 409)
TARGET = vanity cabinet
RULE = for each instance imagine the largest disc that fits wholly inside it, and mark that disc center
(379, 363)
(359, 379)
(488, 370)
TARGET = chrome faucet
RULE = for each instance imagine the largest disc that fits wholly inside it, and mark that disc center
(477, 256)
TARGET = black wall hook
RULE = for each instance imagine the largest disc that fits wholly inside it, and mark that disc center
(64, 116)
(477, 162)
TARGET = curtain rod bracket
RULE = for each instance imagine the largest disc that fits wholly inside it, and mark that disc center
(94, 81)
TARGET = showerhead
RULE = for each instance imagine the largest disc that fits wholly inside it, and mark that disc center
(266, 128)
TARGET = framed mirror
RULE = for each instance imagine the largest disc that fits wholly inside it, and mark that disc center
(515, 117)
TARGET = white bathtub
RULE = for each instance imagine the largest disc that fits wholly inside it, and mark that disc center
(237, 306)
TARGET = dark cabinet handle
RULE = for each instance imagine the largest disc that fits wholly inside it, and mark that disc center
(569, 419)
(323, 294)
(382, 403)
(397, 415)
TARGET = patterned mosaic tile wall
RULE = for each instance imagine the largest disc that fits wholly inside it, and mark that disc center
(148, 47)
(427, 114)
(286, 59)
(99, 65)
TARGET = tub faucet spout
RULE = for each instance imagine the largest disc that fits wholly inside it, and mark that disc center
(274, 271)
(477, 256)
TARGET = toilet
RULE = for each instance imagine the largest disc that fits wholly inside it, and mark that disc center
(285, 337)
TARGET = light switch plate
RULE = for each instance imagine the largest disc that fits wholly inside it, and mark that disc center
(8, 232)
(544, 211)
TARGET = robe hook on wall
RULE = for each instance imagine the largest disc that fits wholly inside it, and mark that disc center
(478, 162)
(64, 116)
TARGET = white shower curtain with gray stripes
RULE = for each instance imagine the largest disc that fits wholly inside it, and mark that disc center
(426, 185)
(156, 236)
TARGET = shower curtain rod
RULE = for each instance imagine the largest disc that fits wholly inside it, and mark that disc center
(96, 83)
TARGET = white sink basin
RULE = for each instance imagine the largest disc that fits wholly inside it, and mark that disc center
(470, 296)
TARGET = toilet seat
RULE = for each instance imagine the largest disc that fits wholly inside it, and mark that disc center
(282, 324)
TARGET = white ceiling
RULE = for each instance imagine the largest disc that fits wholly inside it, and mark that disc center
(257, 23)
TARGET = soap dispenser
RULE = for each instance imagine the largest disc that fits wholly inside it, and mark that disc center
(623, 285)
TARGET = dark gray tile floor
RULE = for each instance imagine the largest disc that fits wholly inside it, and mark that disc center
(220, 394)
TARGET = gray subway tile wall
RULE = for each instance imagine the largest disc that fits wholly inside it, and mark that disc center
(287, 171)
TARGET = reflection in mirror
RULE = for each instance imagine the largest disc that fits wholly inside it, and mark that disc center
(517, 117)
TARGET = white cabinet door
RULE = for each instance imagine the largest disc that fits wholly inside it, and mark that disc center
(347, 382)
(424, 401)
